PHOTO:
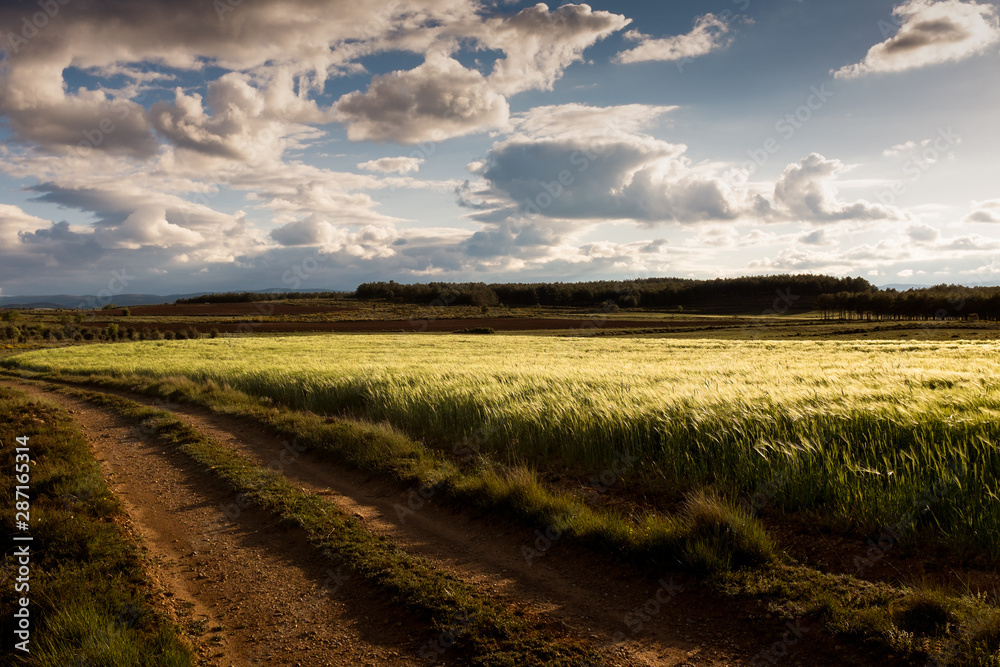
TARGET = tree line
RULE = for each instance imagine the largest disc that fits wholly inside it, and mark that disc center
(751, 294)
(940, 302)
(256, 297)
(835, 298)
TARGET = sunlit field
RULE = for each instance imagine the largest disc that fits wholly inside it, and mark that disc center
(868, 432)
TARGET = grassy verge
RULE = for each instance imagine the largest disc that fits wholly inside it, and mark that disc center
(488, 634)
(91, 602)
(710, 535)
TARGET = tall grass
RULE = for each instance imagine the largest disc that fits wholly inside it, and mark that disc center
(876, 433)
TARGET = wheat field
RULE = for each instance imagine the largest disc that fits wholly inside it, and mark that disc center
(869, 432)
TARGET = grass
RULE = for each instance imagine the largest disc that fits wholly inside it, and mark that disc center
(91, 601)
(865, 433)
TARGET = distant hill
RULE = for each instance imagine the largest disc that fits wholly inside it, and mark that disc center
(90, 301)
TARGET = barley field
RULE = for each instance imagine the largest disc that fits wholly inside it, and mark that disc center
(872, 433)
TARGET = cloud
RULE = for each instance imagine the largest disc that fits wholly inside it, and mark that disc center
(818, 237)
(367, 243)
(311, 35)
(292, 46)
(247, 122)
(710, 33)
(579, 120)
(398, 165)
(129, 216)
(599, 169)
(40, 111)
(984, 211)
(806, 191)
(438, 100)
(930, 32)
(14, 221)
(923, 233)
(539, 44)
(906, 147)
(148, 225)
(442, 99)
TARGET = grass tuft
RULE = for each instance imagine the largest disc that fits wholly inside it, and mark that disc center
(925, 612)
(722, 536)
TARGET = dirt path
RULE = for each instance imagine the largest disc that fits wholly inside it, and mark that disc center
(204, 557)
(258, 594)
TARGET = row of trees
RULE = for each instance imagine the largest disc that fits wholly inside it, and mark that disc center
(255, 297)
(941, 302)
(837, 298)
(754, 294)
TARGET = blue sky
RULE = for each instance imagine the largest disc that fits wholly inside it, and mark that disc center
(201, 146)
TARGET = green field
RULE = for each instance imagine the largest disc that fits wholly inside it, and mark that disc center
(862, 432)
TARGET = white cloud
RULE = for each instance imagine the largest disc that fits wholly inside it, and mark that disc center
(539, 44)
(580, 120)
(807, 191)
(246, 122)
(397, 165)
(368, 242)
(985, 211)
(442, 99)
(817, 237)
(148, 225)
(438, 100)
(905, 147)
(923, 233)
(13, 221)
(931, 32)
(710, 33)
(600, 167)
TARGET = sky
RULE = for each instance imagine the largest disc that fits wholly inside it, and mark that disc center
(212, 145)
